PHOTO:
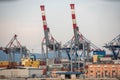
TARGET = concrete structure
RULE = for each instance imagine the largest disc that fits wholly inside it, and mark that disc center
(103, 71)
(68, 75)
(28, 72)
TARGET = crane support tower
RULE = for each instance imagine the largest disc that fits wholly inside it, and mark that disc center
(49, 43)
(46, 29)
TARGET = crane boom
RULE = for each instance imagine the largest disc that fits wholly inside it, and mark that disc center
(46, 29)
(74, 23)
(114, 46)
(48, 43)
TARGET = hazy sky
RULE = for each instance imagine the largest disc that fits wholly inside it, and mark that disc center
(98, 20)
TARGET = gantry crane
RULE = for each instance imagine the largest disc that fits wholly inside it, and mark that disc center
(48, 43)
(78, 42)
(114, 46)
(11, 48)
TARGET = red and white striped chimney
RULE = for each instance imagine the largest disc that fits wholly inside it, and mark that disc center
(73, 16)
(43, 17)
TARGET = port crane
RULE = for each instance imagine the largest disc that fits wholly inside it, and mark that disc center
(78, 42)
(49, 43)
(114, 46)
(12, 47)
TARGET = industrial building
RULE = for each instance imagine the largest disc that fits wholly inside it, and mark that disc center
(22, 72)
(103, 71)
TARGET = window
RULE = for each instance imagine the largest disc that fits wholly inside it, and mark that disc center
(91, 71)
(67, 76)
(98, 71)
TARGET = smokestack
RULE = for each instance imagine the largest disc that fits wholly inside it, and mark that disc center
(43, 17)
(73, 16)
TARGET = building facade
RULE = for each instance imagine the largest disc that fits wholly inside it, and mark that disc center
(103, 71)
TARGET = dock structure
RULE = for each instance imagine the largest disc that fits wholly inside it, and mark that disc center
(77, 62)
(78, 65)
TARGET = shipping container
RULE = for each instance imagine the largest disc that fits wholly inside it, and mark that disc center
(99, 53)
(106, 59)
(95, 58)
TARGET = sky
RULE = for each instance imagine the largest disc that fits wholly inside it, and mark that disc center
(98, 21)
